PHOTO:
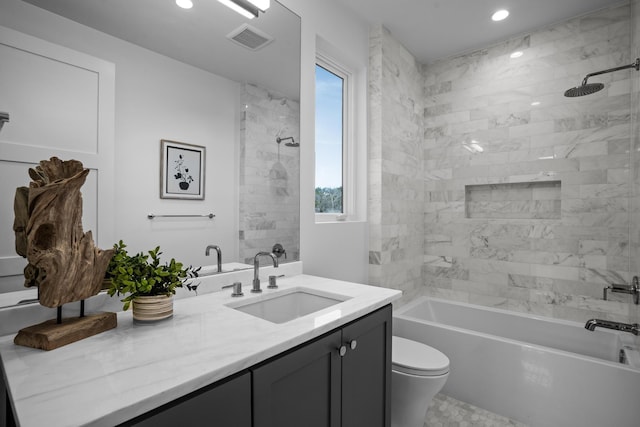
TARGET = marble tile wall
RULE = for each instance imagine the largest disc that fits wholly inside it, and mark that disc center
(269, 174)
(518, 200)
(396, 196)
(514, 109)
(635, 157)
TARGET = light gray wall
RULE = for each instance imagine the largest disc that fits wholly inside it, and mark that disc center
(336, 250)
(156, 98)
(396, 188)
(269, 174)
(511, 258)
(635, 159)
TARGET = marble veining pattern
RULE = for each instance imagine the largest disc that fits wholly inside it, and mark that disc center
(396, 193)
(445, 411)
(491, 120)
(269, 210)
(120, 374)
(634, 244)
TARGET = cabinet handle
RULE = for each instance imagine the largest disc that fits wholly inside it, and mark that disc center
(342, 350)
(353, 344)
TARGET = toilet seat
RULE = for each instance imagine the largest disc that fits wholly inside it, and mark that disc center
(415, 358)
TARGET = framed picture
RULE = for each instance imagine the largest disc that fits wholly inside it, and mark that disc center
(181, 170)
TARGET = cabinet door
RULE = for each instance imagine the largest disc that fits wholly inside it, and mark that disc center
(366, 371)
(223, 404)
(301, 388)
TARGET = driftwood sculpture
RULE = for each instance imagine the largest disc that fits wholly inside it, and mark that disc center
(64, 262)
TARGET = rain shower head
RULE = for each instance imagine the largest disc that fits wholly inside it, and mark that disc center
(589, 88)
(293, 143)
(585, 89)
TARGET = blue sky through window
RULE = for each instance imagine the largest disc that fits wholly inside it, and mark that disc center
(329, 112)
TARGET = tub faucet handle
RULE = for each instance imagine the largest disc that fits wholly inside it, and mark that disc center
(632, 289)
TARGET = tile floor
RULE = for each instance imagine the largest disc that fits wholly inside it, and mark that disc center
(446, 411)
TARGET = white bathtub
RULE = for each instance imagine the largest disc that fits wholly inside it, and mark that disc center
(540, 371)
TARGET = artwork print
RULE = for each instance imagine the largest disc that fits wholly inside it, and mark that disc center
(181, 170)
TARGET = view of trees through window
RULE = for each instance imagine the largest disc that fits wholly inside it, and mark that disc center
(329, 141)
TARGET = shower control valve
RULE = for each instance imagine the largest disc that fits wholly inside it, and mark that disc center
(632, 289)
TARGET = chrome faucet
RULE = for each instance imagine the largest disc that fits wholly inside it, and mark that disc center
(256, 269)
(592, 324)
(219, 251)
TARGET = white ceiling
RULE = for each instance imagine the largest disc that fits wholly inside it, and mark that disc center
(435, 29)
(198, 36)
(429, 29)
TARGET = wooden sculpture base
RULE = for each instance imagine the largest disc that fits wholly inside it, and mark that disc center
(50, 335)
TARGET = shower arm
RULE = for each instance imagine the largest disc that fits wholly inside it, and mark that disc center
(635, 65)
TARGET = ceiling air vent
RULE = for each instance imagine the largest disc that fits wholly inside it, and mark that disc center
(249, 37)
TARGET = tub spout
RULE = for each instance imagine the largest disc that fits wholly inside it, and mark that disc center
(592, 324)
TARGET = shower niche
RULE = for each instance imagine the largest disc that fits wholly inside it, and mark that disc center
(521, 200)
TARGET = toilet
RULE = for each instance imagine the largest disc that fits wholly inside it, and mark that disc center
(418, 373)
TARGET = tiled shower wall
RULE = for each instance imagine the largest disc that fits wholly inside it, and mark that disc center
(396, 196)
(490, 119)
(269, 174)
(635, 158)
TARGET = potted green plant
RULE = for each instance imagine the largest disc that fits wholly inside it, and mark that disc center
(146, 282)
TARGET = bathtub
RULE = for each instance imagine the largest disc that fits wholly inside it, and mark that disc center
(540, 371)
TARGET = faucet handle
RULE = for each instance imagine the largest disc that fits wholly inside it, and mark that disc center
(278, 250)
(632, 289)
(272, 281)
(237, 289)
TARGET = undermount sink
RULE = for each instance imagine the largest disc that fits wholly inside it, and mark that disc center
(288, 304)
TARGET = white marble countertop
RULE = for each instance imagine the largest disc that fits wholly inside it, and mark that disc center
(120, 374)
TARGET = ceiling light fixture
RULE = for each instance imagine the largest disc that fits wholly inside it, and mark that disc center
(500, 15)
(185, 4)
(516, 54)
(247, 8)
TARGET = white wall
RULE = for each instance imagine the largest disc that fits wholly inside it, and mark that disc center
(160, 98)
(335, 250)
(157, 98)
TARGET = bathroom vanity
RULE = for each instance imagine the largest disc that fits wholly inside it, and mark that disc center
(324, 379)
(214, 362)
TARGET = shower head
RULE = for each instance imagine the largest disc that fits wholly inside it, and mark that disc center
(585, 89)
(293, 143)
(589, 88)
(4, 117)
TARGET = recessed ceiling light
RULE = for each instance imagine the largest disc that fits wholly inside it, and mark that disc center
(500, 15)
(516, 54)
(185, 4)
(535, 103)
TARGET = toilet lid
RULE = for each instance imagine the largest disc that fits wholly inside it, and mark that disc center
(415, 358)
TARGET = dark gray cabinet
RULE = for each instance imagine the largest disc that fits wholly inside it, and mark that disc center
(226, 403)
(301, 388)
(366, 371)
(342, 379)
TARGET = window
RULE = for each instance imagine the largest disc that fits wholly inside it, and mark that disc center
(332, 141)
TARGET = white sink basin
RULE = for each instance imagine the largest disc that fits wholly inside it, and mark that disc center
(289, 304)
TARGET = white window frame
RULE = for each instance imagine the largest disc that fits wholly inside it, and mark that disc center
(348, 141)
